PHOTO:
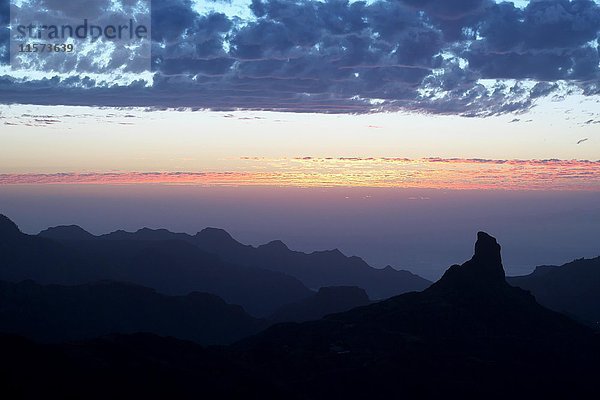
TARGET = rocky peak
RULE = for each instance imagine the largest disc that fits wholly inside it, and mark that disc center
(483, 270)
(487, 250)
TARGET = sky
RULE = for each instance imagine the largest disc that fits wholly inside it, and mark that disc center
(393, 130)
(471, 57)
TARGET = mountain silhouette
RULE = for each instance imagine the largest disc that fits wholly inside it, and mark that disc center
(220, 241)
(315, 270)
(573, 288)
(328, 300)
(67, 232)
(468, 335)
(172, 267)
(55, 313)
(8, 229)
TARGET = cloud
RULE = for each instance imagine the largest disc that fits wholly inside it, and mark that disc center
(172, 19)
(4, 31)
(437, 173)
(440, 56)
(451, 16)
(120, 178)
(547, 40)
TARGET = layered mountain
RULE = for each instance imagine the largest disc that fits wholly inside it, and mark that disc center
(328, 300)
(468, 335)
(315, 270)
(174, 267)
(323, 268)
(56, 313)
(572, 289)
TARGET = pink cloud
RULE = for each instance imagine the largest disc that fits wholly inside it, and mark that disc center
(442, 173)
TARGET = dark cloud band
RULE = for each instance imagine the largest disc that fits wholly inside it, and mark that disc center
(337, 56)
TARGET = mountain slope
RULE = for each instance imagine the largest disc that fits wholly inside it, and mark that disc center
(469, 335)
(328, 268)
(573, 288)
(170, 266)
(315, 270)
(57, 313)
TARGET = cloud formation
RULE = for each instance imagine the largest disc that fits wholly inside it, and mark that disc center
(434, 173)
(469, 57)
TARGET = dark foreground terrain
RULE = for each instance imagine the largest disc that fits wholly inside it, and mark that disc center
(469, 335)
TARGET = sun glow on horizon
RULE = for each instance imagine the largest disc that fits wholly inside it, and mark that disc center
(432, 173)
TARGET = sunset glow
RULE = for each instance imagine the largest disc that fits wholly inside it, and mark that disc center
(434, 173)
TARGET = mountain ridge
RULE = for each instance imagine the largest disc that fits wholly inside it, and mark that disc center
(469, 335)
(173, 267)
(572, 288)
(469, 324)
(316, 269)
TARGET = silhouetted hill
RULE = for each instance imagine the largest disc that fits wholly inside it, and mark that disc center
(57, 313)
(328, 300)
(140, 366)
(573, 288)
(219, 241)
(468, 335)
(315, 270)
(67, 232)
(169, 266)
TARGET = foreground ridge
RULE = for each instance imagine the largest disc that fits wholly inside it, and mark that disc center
(470, 332)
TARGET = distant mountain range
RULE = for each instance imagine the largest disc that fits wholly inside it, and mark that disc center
(173, 267)
(470, 335)
(573, 288)
(314, 270)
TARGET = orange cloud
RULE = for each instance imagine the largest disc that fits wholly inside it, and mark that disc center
(440, 173)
